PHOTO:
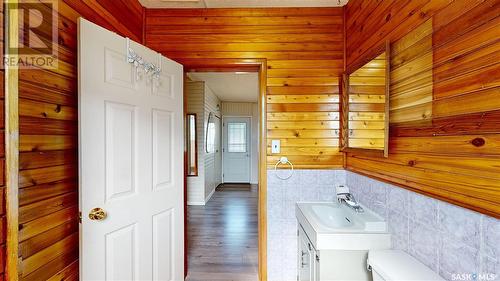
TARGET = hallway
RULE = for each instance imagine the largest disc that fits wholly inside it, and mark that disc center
(222, 236)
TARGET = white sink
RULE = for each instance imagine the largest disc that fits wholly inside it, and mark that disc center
(336, 226)
(331, 216)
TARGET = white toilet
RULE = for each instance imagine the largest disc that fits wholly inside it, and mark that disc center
(396, 265)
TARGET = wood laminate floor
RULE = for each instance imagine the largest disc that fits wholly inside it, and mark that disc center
(222, 236)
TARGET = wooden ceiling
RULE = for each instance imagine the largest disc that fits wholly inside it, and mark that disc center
(240, 3)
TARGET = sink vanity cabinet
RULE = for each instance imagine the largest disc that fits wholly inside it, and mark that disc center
(333, 242)
(308, 258)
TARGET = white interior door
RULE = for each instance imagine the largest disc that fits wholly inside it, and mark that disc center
(130, 151)
(236, 152)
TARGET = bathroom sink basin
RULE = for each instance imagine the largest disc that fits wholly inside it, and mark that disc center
(331, 216)
(335, 226)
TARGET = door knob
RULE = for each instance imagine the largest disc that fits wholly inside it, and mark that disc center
(97, 214)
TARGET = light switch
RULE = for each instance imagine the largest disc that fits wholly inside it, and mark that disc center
(275, 146)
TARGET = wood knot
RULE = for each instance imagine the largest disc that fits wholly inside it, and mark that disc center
(297, 134)
(412, 163)
(58, 108)
(478, 142)
(44, 114)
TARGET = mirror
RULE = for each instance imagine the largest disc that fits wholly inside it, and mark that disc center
(210, 134)
(192, 147)
(366, 103)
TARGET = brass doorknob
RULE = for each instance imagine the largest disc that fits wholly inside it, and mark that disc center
(97, 214)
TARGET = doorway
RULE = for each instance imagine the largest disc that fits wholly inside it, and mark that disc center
(237, 150)
(227, 191)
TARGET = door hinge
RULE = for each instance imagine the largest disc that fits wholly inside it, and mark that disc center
(80, 217)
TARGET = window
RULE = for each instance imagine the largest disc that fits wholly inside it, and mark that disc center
(237, 137)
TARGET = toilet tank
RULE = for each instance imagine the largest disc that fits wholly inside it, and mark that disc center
(396, 265)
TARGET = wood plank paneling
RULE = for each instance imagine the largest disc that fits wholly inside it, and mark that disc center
(304, 52)
(445, 90)
(48, 198)
(411, 58)
(3, 230)
(3, 218)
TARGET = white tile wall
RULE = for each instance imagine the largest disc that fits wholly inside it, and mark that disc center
(447, 238)
(304, 185)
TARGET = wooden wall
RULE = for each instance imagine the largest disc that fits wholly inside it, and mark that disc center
(450, 147)
(304, 52)
(48, 179)
(3, 223)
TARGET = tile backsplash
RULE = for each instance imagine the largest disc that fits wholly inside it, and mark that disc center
(303, 185)
(447, 238)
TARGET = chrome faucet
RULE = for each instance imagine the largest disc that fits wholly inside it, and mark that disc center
(343, 196)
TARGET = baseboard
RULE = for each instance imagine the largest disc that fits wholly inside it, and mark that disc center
(210, 195)
(196, 203)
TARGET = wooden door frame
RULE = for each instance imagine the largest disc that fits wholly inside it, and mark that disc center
(247, 65)
(11, 141)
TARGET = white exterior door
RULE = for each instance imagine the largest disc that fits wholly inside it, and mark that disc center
(130, 151)
(236, 152)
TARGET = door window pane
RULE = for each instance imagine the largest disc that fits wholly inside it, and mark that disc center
(237, 137)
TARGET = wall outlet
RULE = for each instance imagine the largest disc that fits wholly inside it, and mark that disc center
(275, 146)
